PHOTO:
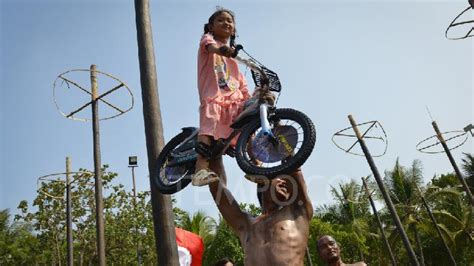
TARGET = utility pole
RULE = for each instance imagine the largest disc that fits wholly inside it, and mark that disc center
(163, 217)
(385, 195)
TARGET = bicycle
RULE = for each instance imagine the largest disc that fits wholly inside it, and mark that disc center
(272, 140)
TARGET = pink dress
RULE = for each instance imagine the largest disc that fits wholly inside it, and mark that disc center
(222, 90)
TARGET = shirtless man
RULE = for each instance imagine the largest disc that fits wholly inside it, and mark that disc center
(330, 253)
(280, 235)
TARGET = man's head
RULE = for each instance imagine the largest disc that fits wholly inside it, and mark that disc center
(276, 192)
(224, 262)
(328, 249)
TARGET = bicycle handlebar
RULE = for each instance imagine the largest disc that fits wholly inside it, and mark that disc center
(249, 62)
(237, 48)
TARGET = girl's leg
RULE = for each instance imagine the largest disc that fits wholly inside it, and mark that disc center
(203, 176)
(202, 162)
(217, 166)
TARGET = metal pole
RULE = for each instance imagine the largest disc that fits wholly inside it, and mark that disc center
(136, 217)
(70, 248)
(453, 162)
(385, 195)
(163, 217)
(433, 219)
(99, 205)
(379, 222)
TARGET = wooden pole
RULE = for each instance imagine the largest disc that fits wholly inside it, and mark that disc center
(99, 204)
(379, 222)
(435, 223)
(385, 195)
(453, 162)
(163, 217)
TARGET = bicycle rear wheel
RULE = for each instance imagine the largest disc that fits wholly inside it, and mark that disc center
(171, 179)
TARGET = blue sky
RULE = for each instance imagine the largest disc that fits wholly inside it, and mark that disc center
(377, 60)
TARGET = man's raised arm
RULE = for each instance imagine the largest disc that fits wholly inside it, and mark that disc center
(302, 197)
(228, 206)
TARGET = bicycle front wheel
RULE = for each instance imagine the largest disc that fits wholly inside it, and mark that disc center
(293, 140)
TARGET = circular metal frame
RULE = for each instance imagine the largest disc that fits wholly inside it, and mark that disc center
(455, 24)
(374, 123)
(47, 178)
(60, 77)
(459, 133)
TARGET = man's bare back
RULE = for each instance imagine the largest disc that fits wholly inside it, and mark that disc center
(280, 235)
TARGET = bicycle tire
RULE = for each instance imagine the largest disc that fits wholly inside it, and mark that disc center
(291, 163)
(183, 181)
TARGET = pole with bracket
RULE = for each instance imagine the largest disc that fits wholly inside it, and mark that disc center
(99, 204)
(385, 195)
(453, 162)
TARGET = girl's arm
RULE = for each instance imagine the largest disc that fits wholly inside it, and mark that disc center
(223, 50)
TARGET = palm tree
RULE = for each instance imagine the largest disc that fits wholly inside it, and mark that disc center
(199, 223)
(351, 211)
(468, 167)
(402, 184)
(454, 214)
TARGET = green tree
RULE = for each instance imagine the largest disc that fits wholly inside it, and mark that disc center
(18, 245)
(455, 218)
(468, 167)
(225, 243)
(348, 241)
(200, 224)
(350, 212)
(402, 184)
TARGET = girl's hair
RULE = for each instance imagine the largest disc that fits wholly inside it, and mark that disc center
(219, 11)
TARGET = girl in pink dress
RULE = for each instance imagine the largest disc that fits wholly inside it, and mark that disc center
(222, 90)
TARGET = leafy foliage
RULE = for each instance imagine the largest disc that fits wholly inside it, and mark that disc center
(39, 236)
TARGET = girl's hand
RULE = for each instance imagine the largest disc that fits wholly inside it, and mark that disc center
(223, 50)
(226, 51)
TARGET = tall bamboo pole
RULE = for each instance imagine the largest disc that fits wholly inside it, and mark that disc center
(453, 162)
(165, 236)
(379, 222)
(438, 230)
(385, 195)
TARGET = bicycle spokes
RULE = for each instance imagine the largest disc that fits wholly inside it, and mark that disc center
(268, 150)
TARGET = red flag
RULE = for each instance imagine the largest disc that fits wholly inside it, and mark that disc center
(190, 248)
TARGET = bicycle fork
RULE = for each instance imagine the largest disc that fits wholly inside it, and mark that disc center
(265, 124)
